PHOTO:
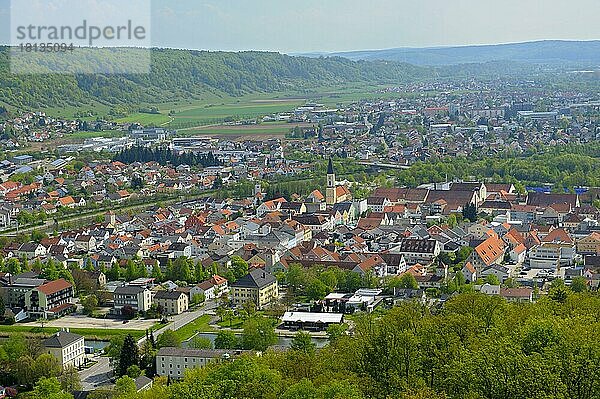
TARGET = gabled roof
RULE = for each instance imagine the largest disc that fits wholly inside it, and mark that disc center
(257, 278)
(172, 295)
(558, 235)
(61, 339)
(54, 286)
(490, 250)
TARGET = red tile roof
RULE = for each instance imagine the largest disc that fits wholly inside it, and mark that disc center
(54, 286)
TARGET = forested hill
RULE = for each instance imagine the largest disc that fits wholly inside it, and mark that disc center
(547, 52)
(178, 74)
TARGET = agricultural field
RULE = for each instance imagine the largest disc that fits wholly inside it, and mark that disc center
(209, 115)
(261, 130)
(146, 119)
(241, 109)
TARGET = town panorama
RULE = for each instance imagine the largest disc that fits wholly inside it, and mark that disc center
(419, 222)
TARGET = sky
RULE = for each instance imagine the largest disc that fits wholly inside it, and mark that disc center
(343, 25)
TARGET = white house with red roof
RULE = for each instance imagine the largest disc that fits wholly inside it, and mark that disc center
(50, 300)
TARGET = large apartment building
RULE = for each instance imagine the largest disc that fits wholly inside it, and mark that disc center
(67, 347)
(173, 362)
(138, 297)
(50, 300)
(258, 286)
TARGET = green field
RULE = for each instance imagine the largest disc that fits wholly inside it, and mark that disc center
(198, 325)
(265, 129)
(146, 119)
(242, 109)
(89, 333)
(214, 109)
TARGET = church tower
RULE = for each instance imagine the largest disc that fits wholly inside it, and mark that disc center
(330, 194)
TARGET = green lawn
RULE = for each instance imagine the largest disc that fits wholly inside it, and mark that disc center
(236, 322)
(89, 333)
(146, 119)
(240, 109)
(198, 325)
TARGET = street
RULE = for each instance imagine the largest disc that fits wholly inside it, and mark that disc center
(100, 373)
(97, 375)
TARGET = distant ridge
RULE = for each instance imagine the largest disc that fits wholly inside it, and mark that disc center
(549, 52)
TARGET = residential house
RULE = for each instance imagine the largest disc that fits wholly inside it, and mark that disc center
(172, 302)
(139, 298)
(417, 250)
(589, 245)
(488, 253)
(67, 347)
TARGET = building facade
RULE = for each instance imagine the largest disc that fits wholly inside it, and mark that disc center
(258, 286)
(67, 347)
(173, 362)
(50, 300)
(139, 298)
(172, 302)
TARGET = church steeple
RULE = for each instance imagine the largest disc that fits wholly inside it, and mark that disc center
(330, 167)
(331, 195)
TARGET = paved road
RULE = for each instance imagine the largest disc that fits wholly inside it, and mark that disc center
(97, 375)
(100, 373)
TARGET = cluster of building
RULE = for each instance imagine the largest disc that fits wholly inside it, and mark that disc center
(486, 118)
(54, 185)
(531, 238)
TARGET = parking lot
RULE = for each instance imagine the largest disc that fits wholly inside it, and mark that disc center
(90, 322)
(541, 274)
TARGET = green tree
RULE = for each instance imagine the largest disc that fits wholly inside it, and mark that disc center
(48, 388)
(125, 386)
(46, 365)
(558, 292)
(492, 279)
(134, 371)
(452, 222)
(316, 289)
(199, 342)
(579, 284)
(239, 267)
(248, 309)
(114, 273)
(129, 355)
(182, 270)
(336, 331)
(226, 340)
(295, 276)
(157, 273)
(90, 304)
(69, 380)
(258, 334)
(407, 280)
(302, 342)
(169, 338)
